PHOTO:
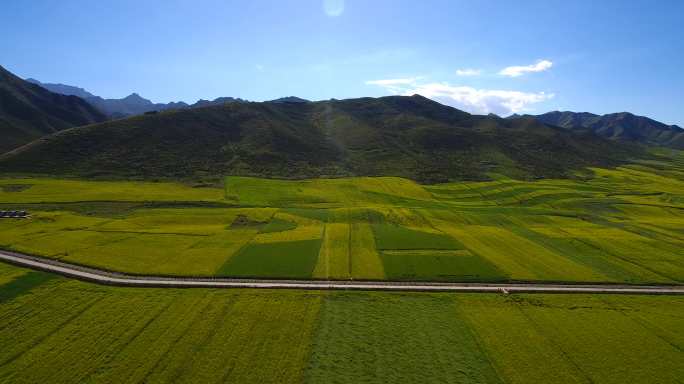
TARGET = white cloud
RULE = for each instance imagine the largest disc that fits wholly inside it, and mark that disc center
(481, 101)
(468, 72)
(395, 86)
(394, 82)
(516, 71)
(469, 99)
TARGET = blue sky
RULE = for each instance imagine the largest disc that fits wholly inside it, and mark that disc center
(481, 56)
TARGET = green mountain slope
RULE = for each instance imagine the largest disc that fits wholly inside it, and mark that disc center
(411, 137)
(28, 111)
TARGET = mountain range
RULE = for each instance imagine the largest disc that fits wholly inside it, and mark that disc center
(28, 111)
(623, 126)
(407, 136)
(615, 126)
(66, 133)
(133, 104)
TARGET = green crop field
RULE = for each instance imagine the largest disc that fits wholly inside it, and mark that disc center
(291, 259)
(58, 330)
(436, 265)
(605, 225)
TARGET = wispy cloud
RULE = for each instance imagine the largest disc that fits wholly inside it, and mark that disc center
(468, 72)
(396, 86)
(394, 82)
(333, 7)
(520, 70)
(469, 99)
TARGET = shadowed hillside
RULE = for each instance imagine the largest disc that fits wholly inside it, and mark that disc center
(411, 137)
(28, 111)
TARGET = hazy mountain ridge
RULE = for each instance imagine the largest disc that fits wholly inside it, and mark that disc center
(623, 126)
(131, 105)
(63, 89)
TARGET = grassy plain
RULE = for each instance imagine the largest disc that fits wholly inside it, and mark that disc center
(605, 225)
(64, 331)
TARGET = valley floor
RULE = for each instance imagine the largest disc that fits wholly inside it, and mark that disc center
(63, 331)
(619, 225)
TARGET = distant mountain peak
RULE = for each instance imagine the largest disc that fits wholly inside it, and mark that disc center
(419, 96)
(290, 99)
(622, 126)
(137, 98)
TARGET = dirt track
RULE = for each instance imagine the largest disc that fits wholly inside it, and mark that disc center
(111, 278)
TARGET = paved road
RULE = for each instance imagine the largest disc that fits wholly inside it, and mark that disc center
(111, 278)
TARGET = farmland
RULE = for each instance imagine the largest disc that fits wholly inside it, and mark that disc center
(105, 334)
(620, 225)
(606, 225)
